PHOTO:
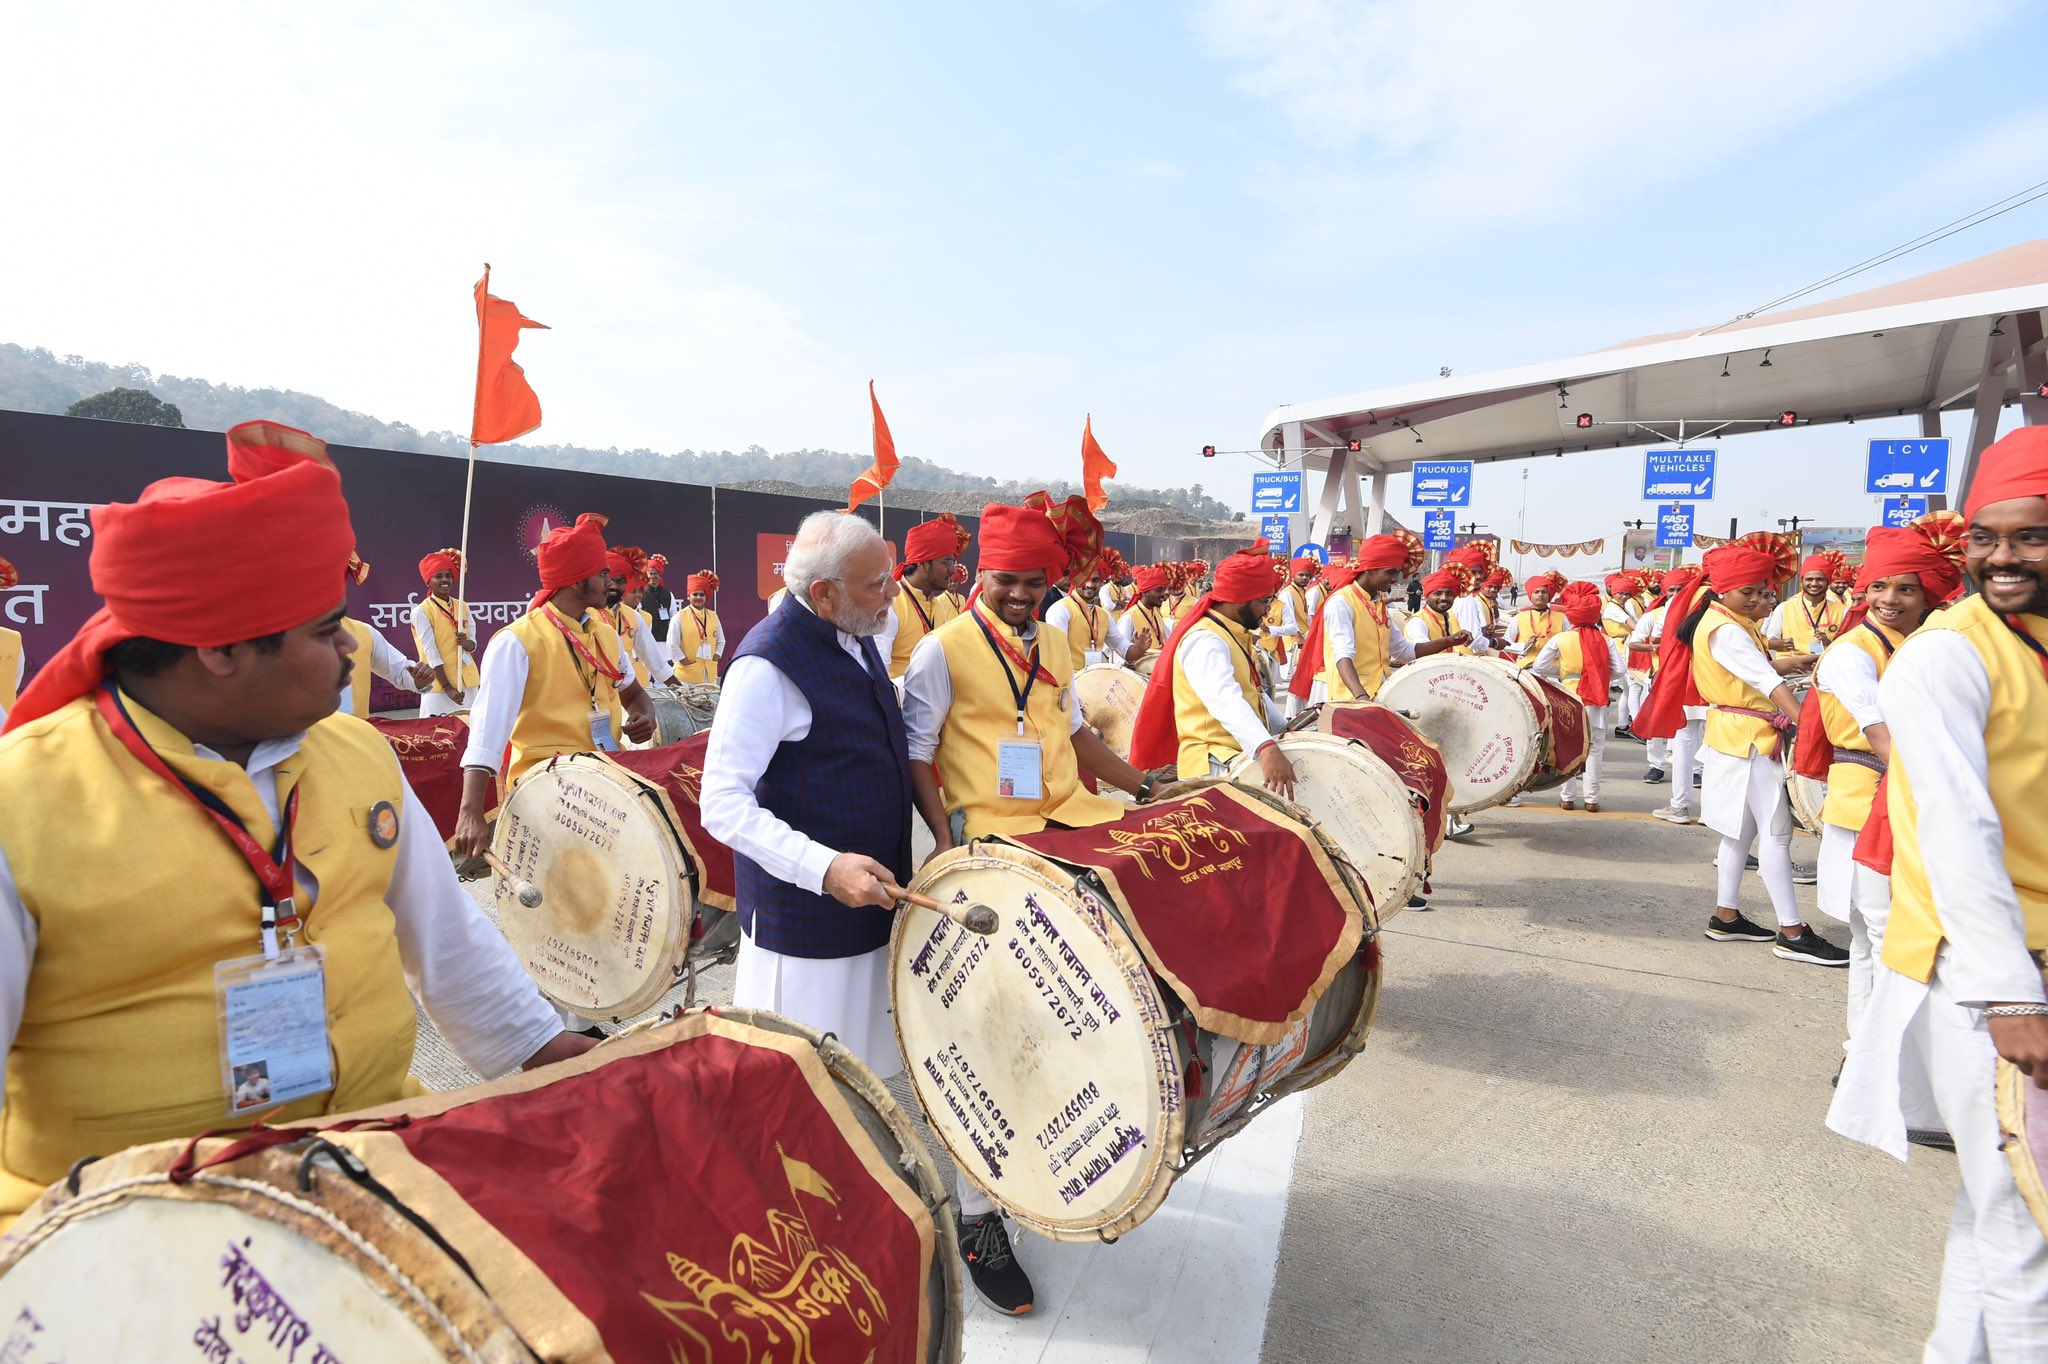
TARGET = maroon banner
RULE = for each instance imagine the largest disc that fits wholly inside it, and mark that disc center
(1569, 742)
(430, 754)
(1414, 759)
(678, 769)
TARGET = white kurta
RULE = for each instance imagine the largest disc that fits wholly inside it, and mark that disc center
(1204, 659)
(1340, 640)
(496, 699)
(1727, 781)
(1471, 617)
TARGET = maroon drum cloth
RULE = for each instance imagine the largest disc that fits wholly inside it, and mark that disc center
(678, 769)
(430, 755)
(1414, 759)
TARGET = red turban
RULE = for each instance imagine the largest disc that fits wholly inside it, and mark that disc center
(440, 559)
(2016, 466)
(1621, 584)
(1247, 575)
(628, 564)
(1817, 563)
(1444, 580)
(705, 582)
(570, 554)
(1146, 578)
(657, 565)
(1674, 579)
(160, 563)
(1581, 605)
(1302, 564)
(1892, 550)
(940, 538)
(1039, 536)
(1244, 576)
(261, 447)
(1541, 580)
(1380, 551)
(1731, 566)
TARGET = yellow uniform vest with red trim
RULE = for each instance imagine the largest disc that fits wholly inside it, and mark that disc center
(136, 895)
(625, 623)
(694, 629)
(1618, 630)
(1535, 629)
(359, 674)
(1571, 660)
(1202, 735)
(1851, 786)
(1282, 647)
(2016, 737)
(1087, 629)
(1371, 651)
(984, 715)
(1438, 627)
(10, 665)
(1802, 624)
(1138, 618)
(1737, 735)
(561, 689)
(913, 610)
(446, 619)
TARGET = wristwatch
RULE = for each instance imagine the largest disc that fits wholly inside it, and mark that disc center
(1144, 790)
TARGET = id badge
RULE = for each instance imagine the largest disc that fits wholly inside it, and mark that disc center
(705, 651)
(601, 740)
(273, 1029)
(1020, 770)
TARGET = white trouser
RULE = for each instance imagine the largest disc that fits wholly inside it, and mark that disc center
(1860, 898)
(1685, 760)
(439, 703)
(1763, 817)
(1632, 697)
(1587, 780)
(1656, 751)
(1994, 1277)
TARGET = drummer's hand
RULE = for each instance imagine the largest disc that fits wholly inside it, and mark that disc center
(560, 1048)
(458, 696)
(1462, 637)
(422, 675)
(1142, 641)
(2024, 1042)
(1277, 771)
(1779, 644)
(855, 880)
(465, 643)
(640, 719)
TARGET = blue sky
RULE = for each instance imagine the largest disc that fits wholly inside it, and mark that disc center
(1173, 217)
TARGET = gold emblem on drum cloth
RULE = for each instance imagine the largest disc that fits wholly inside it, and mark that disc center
(1178, 838)
(437, 742)
(772, 1291)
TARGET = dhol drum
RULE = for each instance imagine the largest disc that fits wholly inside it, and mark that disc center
(1109, 695)
(2023, 1122)
(1408, 755)
(1139, 1003)
(1365, 809)
(801, 1226)
(1488, 725)
(429, 752)
(682, 710)
(1561, 720)
(620, 867)
(1807, 797)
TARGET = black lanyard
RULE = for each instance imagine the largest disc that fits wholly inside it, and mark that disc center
(1889, 647)
(2026, 636)
(916, 606)
(1023, 697)
(1250, 662)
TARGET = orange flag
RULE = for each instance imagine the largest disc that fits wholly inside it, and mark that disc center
(884, 468)
(1095, 466)
(506, 405)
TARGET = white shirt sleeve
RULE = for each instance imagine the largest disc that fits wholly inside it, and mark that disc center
(423, 631)
(1106, 598)
(1734, 650)
(759, 710)
(1289, 627)
(649, 652)
(1060, 615)
(1472, 617)
(675, 636)
(1417, 629)
(1120, 637)
(1514, 634)
(1546, 664)
(718, 638)
(1938, 697)
(1774, 624)
(886, 641)
(1204, 658)
(1400, 649)
(388, 663)
(494, 702)
(1850, 676)
(1645, 623)
(1340, 632)
(927, 697)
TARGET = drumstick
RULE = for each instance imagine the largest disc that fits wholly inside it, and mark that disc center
(527, 891)
(974, 918)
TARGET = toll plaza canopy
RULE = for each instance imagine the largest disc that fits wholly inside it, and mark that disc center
(1968, 337)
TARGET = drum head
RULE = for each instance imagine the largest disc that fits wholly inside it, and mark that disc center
(1361, 806)
(251, 1261)
(1109, 694)
(1807, 797)
(613, 922)
(1043, 1054)
(1480, 717)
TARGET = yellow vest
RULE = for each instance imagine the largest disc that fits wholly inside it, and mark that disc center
(1276, 616)
(10, 663)
(1438, 627)
(1571, 660)
(136, 894)
(1138, 618)
(1370, 654)
(1800, 628)
(696, 628)
(1087, 628)
(984, 714)
(1535, 629)
(457, 664)
(1852, 787)
(912, 609)
(2016, 737)
(1202, 735)
(626, 623)
(1737, 735)
(561, 689)
(359, 676)
(1620, 630)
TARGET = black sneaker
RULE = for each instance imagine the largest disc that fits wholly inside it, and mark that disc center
(1737, 929)
(1417, 902)
(1695, 781)
(1749, 862)
(1654, 776)
(1811, 948)
(1931, 1139)
(1000, 1280)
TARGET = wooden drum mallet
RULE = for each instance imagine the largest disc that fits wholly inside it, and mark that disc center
(526, 891)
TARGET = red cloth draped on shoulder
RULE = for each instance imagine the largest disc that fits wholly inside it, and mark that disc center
(1672, 688)
(1379, 551)
(1244, 576)
(1581, 605)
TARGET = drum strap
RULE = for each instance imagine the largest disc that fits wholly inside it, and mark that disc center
(1194, 1084)
(1857, 758)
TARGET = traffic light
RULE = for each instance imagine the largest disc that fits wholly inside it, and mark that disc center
(1788, 419)
(1208, 452)
(1354, 445)
(1585, 421)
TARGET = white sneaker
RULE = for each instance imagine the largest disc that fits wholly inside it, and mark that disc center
(1674, 814)
(1513, 801)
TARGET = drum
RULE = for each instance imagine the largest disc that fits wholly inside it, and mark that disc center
(682, 710)
(1139, 1004)
(2023, 1123)
(1561, 716)
(429, 752)
(1807, 797)
(1143, 667)
(1415, 760)
(1109, 695)
(1479, 714)
(1365, 809)
(542, 1216)
(678, 769)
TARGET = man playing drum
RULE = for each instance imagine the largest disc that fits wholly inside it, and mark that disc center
(1473, 608)
(1140, 630)
(1965, 701)
(1803, 627)
(930, 552)
(1433, 620)
(540, 695)
(1583, 659)
(808, 780)
(1350, 648)
(696, 641)
(441, 630)
(206, 873)
(1085, 624)
(634, 627)
(1535, 624)
(1203, 706)
(1618, 616)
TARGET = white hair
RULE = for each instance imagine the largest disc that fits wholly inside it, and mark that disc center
(825, 544)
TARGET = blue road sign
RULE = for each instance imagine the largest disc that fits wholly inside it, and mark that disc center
(1439, 530)
(1898, 467)
(1442, 483)
(1276, 492)
(1316, 552)
(1674, 527)
(1274, 528)
(1904, 511)
(1671, 474)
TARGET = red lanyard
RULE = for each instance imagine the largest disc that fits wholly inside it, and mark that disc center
(2027, 638)
(273, 869)
(446, 612)
(604, 666)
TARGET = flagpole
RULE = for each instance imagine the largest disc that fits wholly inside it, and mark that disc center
(475, 411)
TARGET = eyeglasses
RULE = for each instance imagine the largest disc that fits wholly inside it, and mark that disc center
(2031, 543)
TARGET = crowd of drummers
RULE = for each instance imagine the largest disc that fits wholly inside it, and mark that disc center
(193, 747)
